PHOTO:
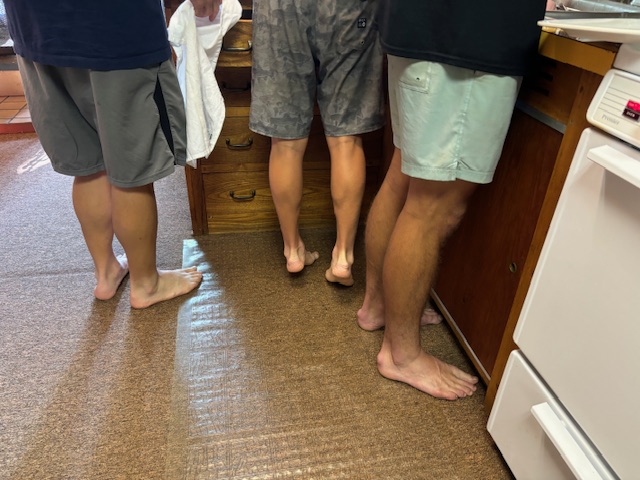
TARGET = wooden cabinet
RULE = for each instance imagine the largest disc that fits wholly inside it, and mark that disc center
(488, 262)
(482, 262)
(229, 190)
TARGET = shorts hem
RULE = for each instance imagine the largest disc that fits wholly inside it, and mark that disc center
(78, 173)
(328, 133)
(145, 181)
(358, 131)
(266, 133)
(447, 175)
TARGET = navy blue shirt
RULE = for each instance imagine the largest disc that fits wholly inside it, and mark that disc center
(94, 34)
(499, 38)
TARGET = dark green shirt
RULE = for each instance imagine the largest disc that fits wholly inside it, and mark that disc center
(494, 37)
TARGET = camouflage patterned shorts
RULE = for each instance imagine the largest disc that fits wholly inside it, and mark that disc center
(305, 50)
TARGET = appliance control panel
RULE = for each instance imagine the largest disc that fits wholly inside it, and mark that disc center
(615, 108)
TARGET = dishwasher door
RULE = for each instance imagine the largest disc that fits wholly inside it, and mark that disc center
(580, 323)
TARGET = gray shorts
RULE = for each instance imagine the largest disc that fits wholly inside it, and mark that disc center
(129, 123)
(303, 49)
(449, 122)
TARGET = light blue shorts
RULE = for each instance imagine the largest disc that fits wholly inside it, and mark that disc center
(449, 122)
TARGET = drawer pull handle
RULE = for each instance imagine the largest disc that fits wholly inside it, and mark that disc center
(226, 88)
(239, 49)
(242, 198)
(571, 450)
(238, 146)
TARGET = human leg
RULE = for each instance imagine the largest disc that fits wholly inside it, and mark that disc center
(443, 135)
(285, 181)
(92, 203)
(88, 139)
(348, 175)
(135, 223)
(382, 217)
(380, 223)
(431, 212)
(350, 100)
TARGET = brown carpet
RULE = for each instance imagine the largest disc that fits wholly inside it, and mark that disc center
(258, 375)
(85, 386)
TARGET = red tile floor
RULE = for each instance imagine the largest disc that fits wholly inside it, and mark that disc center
(14, 115)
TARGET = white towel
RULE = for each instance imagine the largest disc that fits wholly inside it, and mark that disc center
(197, 42)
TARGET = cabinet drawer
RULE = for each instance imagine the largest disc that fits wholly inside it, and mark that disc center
(238, 38)
(241, 202)
(236, 46)
(551, 88)
(238, 202)
(536, 444)
(235, 85)
(237, 145)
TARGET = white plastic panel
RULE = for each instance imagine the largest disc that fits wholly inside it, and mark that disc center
(530, 452)
(615, 107)
(580, 323)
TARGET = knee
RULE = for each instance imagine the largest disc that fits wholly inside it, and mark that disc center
(453, 217)
(288, 148)
(347, 148)
(440, 214)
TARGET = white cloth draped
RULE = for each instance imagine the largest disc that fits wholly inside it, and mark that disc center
(197, 42)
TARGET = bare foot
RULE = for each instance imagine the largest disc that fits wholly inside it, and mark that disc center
(171, 284)
(108, 284)
(300, 258)
(340, 269)
(341, 274)
(430, 317)
(428, 374)
(369, 318)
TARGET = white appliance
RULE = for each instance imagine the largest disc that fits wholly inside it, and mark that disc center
(568, 405)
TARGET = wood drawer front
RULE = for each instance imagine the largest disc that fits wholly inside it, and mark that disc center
(226, 214)
(236, 46)
(257, 212)
(237, 145)
(551, 88)
(234, 59)
(238, 38)
(235, 85)
(253, 209)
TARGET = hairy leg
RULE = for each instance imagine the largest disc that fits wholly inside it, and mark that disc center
(92, 204)
(382, 218)
(135, 222)
(431, 212)
(348, 175)
(285, 181)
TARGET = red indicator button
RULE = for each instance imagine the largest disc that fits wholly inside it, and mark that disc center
(635, 106)
(632, 110)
